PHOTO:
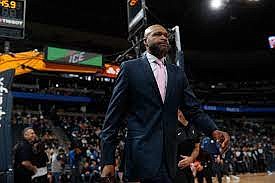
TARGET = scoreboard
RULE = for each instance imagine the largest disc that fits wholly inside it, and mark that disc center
(12, 18)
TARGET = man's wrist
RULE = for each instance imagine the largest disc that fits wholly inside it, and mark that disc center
(192, 158)
(34, 168)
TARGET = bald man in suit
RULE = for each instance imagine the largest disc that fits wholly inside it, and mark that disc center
(147, 94)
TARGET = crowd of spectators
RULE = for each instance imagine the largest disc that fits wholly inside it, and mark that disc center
(246, 93)
(84, 155)
(251, 149)
(93, 86)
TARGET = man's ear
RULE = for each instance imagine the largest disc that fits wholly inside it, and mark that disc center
(145, 41)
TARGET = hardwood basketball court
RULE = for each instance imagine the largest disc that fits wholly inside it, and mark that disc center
(250, 178)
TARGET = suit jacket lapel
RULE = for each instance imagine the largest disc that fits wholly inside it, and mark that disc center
(170, 81)
(150, 78)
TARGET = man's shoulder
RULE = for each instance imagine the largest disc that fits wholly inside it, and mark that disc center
(21, 148)
(23, 144)
(17, 147)
(133, 62)
(174, 66)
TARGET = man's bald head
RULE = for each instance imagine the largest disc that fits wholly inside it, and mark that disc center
(151, 28)
(29, 134)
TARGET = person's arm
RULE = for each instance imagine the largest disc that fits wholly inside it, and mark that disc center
(195, 152)
(187, 160)
(191, 108)
(28, 165)
(24, 152)
(113, 119)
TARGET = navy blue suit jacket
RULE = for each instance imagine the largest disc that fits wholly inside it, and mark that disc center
(151, 123)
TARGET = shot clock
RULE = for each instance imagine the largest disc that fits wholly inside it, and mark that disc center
(8, 4)
(12, 18)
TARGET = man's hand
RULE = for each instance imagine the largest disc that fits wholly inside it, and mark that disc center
(34, 169)
(186, 161)
(28, 165)
(108, 171)
(221, 137)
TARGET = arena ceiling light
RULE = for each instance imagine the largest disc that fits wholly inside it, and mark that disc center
(217, 4)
